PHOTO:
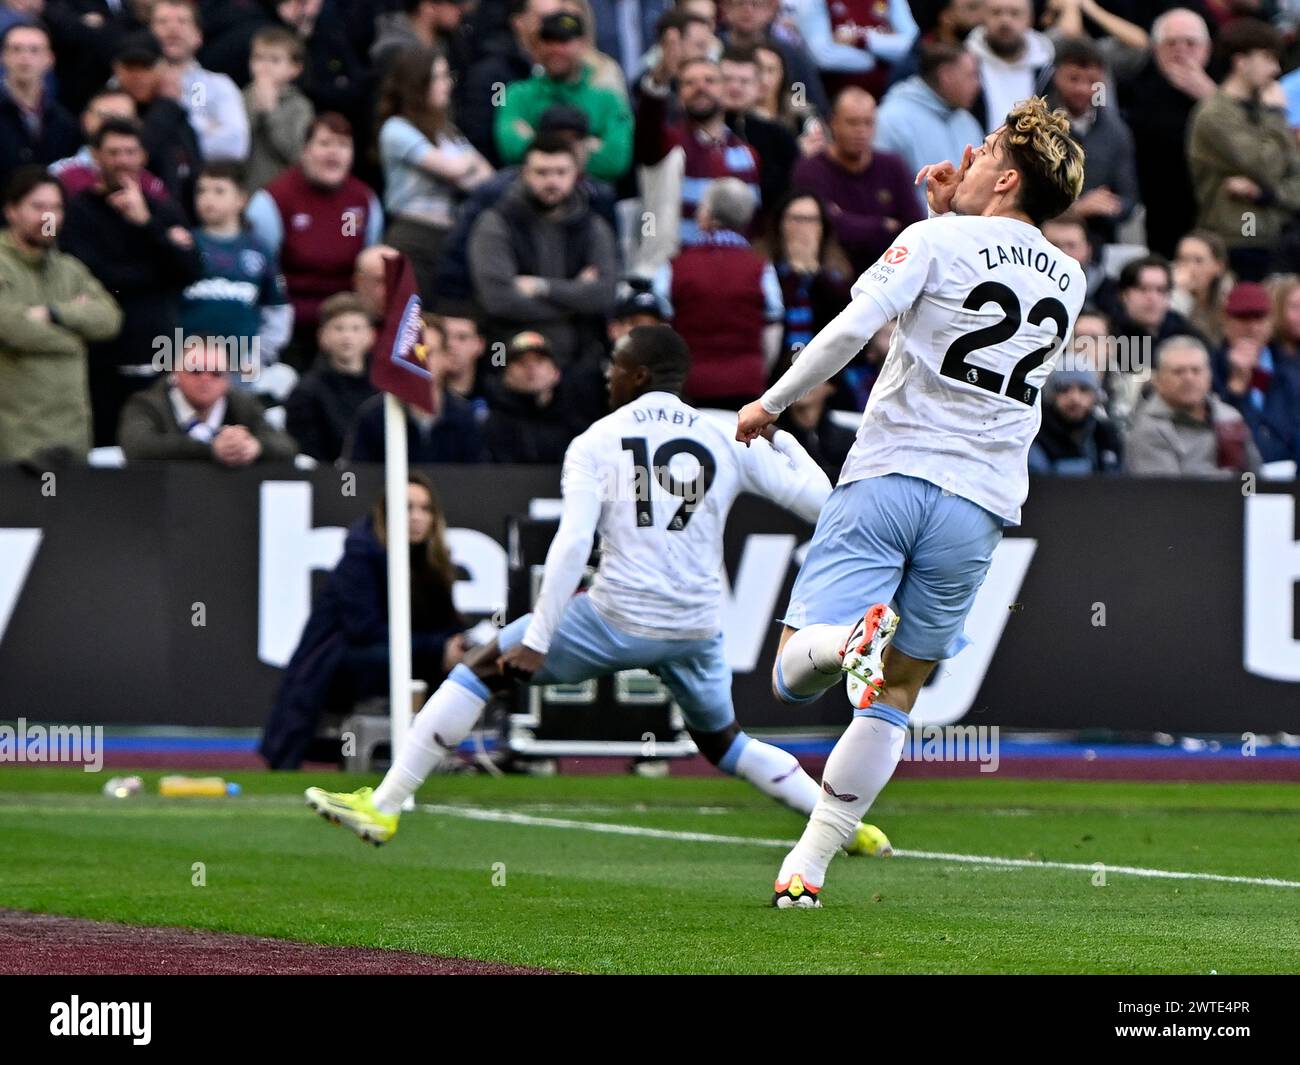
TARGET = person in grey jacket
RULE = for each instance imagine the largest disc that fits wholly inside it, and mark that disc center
(925, 118)
(542, 259)
(1184, 429)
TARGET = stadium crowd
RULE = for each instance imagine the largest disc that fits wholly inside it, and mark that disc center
(199, 197)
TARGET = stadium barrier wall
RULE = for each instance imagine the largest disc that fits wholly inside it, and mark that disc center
(173, 594)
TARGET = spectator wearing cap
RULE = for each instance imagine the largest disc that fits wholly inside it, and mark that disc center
(34, 127)
(637, 305)
(510, 58)
(566, 79)
(448, 433)
(1183, 429)
(1251, 380)
(428, 164)
(868, 193)
(1245, 165)
(530, 419)
(455, 290)
(170, 142)
(856, 42)
(926, 118)
(710, 149)
(725, 301)
(80, 171)
(1110, 188)
(542, 259)
(604, 69)
(142, 252)
(320, 411)
(1157, 102)
(317, 217)
(51, 307)
(813, 270)
(193, 414)
(1074, 439)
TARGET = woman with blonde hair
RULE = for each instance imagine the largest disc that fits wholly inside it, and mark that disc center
(1201, 282)
(342, 656)
(1285, 344)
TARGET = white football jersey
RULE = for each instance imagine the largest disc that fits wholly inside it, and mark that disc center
(984, 306)
(661, 569)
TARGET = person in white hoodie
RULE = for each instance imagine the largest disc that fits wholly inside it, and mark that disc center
(1013, 57)
(925, 117)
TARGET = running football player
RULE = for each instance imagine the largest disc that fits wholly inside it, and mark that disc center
(984, 305)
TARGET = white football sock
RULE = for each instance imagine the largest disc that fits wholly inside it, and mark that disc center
(774, 772)
(439, 727)
(858, 768)
(810, 661)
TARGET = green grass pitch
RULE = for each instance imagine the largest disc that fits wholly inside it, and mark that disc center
(600, 902)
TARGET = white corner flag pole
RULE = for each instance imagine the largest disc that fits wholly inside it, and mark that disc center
(399, 572)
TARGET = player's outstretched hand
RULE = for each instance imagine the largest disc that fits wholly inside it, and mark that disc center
(751, 421)
(521, 661)
(941, 181)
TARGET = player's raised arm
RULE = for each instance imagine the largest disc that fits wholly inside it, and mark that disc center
(888, 288)
(782, 471)
(567, 556)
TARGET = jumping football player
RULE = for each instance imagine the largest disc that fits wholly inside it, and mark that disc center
(655, 479)
(984, 305)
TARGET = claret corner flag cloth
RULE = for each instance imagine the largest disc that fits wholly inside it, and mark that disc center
(400, 363)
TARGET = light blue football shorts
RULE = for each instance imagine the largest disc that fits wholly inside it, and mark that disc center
(585, 645)
(899, 540)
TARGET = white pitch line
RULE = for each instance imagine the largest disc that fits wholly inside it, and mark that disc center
(510, 817)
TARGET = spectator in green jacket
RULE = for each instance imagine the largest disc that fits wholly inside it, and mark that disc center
(566, 79)
(1244, 163)
(50, 306)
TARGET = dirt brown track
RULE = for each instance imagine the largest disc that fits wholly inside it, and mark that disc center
(37, 944)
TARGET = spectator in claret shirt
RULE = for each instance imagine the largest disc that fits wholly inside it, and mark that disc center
(725, 301)
(869, 194)
(34, 127)
(80, 171)
(321, 410)
(317, 217)
(212, 100)
(711, 150)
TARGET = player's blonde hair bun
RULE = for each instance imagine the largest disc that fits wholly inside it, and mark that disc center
(1050, 159)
